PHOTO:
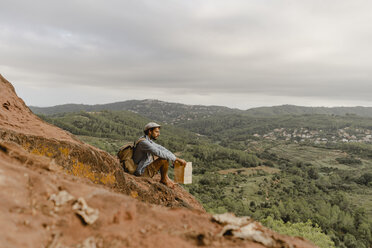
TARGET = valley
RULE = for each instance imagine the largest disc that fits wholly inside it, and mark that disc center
(281, 170)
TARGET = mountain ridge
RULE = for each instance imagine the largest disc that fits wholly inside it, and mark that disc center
(175, 113)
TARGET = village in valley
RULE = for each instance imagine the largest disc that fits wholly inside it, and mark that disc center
(296, 135)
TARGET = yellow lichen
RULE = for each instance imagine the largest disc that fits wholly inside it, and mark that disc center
(42, 151)
(78, 169)
(64, 151)
(82, 170)
(134, 194)
(109, 178)
(26, 146)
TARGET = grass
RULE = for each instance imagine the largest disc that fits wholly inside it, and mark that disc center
(320, 157)
(250, 171)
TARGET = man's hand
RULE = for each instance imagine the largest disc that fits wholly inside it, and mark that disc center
(181, 161)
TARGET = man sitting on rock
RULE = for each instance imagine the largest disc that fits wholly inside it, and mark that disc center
(144, 154)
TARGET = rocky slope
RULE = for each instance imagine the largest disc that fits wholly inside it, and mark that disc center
(59, 192)
(19, 125)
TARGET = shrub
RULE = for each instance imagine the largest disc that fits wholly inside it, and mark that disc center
(307, 230)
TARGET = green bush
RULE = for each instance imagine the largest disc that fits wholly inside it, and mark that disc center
(349, 160)
(307, 230)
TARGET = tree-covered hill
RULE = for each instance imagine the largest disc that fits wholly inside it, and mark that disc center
(237, 130)
(176, 113)
(118, 126)
(299, 110)
(153, 109)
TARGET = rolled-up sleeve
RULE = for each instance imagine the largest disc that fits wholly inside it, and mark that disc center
(157, 150)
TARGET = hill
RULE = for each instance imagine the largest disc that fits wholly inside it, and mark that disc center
(235, 130)
(166, 112)
(176, 113)
(299, 110)
(60, 192)
(18, 125)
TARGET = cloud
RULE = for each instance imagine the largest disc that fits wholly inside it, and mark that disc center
(262, 49)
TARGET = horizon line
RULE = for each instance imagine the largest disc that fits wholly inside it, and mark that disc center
(212, 105)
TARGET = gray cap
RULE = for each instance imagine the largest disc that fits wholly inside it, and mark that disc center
(151, 125)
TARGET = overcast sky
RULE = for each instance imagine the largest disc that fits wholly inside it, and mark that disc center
(234, 53)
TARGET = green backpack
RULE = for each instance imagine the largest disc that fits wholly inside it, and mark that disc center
(125, 155)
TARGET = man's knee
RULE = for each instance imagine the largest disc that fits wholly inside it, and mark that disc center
(162, 161)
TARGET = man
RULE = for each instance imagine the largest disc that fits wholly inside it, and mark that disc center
(144, 154)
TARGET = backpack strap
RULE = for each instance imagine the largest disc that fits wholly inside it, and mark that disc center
(138, 141)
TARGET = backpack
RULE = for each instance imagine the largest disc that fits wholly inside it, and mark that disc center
(125, 155)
